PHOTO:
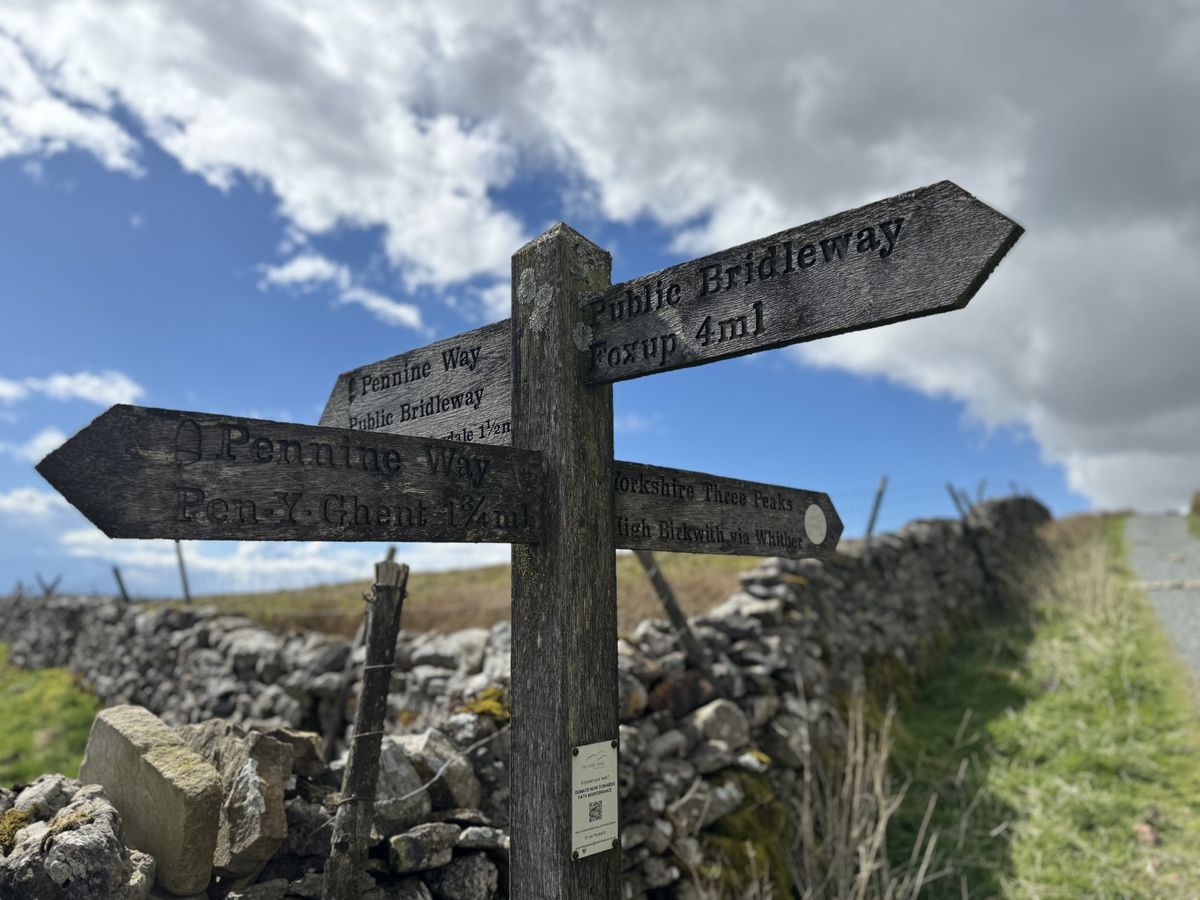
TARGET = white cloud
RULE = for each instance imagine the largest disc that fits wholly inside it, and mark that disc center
(26, 504)
(496, 301)
(385, 309)
(256, 565)
(633, 422)
(102, 388)
(306, 272)
(414, 118)
(34, 119)
(45, 441)
(309, 271)
(329, 106)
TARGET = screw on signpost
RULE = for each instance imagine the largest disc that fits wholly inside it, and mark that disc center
(879, 492)
(695, 652)
(120, 584)
(187, 593)
(352, 823)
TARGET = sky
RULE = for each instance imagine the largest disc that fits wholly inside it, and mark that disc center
(219, 206)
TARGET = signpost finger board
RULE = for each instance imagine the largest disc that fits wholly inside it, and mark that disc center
(159, 473)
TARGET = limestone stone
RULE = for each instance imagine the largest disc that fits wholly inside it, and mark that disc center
(721, 720)
(46, 796)
(469, 877)
(711, 756)
(254, 770)
(77, 855)
(429, 752)
(308, 753)
(309, 827)
(404, 889)
(481, 837)
(168, 795)
(398, 778)
(426, 846)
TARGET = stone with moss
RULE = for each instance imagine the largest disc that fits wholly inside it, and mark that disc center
(168, 795)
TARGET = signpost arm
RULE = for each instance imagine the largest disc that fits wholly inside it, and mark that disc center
(564, 616)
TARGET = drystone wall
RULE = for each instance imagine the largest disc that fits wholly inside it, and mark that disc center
(700, 751)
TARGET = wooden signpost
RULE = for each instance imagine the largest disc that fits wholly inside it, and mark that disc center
(923, 252)
(505, 434)
(160, 473)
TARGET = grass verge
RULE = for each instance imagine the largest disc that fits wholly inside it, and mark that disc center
(1064, 754)
(44, 722)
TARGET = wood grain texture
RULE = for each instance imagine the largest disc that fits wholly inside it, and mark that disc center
(564, 610)
(672, 509)
(352, 823)
(159, 473)
(918, 253)
(457, 389)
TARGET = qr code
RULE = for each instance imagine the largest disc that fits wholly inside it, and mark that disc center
(595, 810)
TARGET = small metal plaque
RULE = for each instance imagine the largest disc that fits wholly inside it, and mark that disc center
(594, 799)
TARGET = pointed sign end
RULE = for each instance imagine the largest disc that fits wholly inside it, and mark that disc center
(67, 468)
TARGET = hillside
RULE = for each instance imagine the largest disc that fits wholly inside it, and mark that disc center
(481, 596)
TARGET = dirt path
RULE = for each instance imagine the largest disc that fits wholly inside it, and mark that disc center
(1165, 557)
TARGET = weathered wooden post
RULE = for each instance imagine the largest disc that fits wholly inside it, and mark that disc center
(879, 492)
(564, 609)
(348, 853)
(120, 584)
(187, 591)
(48, 589)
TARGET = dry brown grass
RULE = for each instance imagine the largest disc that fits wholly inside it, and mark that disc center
(466, 598)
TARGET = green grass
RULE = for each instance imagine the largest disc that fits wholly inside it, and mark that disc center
(44, 722)
(1194, 524)
(1047, 743)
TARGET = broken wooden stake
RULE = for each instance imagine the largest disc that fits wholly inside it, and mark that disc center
(356, 808)
(879, 492)
(187, 591)
(120, 584)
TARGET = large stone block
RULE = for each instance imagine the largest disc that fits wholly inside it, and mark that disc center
(169, 797)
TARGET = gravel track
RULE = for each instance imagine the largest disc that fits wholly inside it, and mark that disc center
(1165, 557)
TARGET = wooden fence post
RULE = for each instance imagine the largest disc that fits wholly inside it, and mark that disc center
(963, 504)
(332, 712)
(187, 592)
(692, 648)
(879, 492)
(120, 584)
(48, 590)
(564, 609)
(356, 807)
